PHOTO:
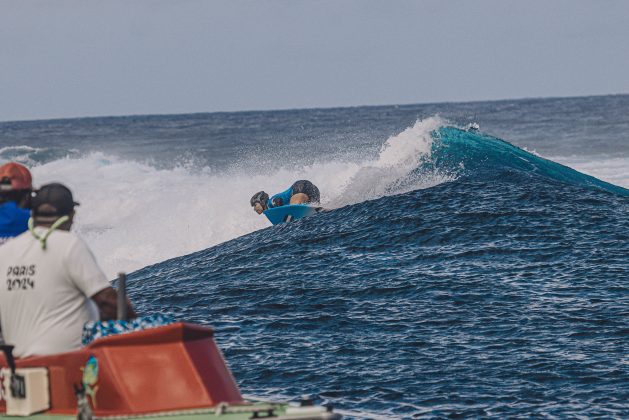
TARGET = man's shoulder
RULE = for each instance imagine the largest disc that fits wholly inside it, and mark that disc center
(14, 241)
(3, 241)
(59, 243)
(65, 239)
(12, 248)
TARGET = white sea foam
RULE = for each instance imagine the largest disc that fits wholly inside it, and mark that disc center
(391, 172)
(133, 214)
(6, 149)
(18, 153)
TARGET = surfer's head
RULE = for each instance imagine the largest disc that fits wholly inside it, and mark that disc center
(260, 202)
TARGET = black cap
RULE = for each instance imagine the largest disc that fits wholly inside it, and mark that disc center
(56, 200)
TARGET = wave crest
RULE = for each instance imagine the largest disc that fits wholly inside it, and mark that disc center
(134, 214)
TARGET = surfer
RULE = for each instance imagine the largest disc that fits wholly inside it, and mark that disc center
(301, 192)
(15, 191)
(53, 282)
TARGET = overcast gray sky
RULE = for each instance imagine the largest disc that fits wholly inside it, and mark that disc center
(119, 57)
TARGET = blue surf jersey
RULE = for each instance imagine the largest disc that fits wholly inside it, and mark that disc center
(13, 220)
(284, 196)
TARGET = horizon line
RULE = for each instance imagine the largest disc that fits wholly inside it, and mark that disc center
(31, 120)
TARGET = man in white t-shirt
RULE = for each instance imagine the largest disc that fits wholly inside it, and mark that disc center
(51, 284)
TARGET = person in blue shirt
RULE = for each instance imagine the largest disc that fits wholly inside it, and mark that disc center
(301, 192)
(15, 192)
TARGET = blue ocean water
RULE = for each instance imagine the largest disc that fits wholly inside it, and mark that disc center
(456, 274)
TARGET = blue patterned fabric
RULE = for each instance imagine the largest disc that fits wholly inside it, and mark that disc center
(97, 329)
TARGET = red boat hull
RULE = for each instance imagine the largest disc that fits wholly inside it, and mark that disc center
(175, 367)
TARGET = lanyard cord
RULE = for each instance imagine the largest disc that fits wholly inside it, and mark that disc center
(42, 239)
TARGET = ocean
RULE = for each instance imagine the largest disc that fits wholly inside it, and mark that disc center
(457, 273)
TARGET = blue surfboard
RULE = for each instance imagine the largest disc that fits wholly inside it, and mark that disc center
(290, 212)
